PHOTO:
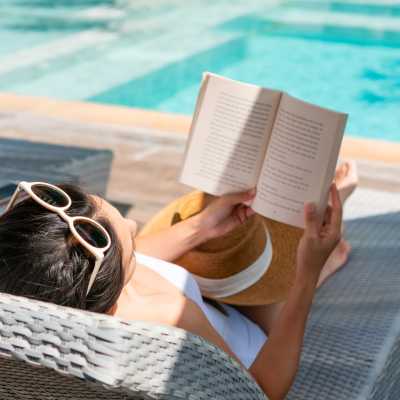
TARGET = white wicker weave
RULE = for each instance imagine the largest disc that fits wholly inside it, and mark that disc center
(112, 358)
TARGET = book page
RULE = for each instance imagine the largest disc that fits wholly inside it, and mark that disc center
(304, 146)
(229, 135)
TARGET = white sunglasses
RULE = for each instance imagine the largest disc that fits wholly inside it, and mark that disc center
(87, 231)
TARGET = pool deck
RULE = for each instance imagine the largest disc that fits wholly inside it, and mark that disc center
(148, 146)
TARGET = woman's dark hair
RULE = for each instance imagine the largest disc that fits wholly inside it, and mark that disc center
(40, 258)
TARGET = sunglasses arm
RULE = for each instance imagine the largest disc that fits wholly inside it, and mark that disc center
(13, 198)
(96, 268)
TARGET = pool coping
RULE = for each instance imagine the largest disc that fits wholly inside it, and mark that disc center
(167, 123)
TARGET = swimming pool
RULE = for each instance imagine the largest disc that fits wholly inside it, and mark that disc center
(342, 54)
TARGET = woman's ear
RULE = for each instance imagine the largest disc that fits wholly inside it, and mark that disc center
(112, 310)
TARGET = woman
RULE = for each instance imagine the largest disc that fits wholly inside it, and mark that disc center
(41, 258)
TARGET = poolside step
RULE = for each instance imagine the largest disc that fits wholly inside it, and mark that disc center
(132, 62)
(53, 50)
(131, 92)
(76, 39)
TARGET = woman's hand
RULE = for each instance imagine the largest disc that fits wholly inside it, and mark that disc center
(320, 237)
(225, 213)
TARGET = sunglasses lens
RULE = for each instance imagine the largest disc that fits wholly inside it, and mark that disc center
(50, 195)
(91, 233)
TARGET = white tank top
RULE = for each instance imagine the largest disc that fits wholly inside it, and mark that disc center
(243, 336)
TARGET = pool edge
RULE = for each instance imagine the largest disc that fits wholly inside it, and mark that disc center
(352, 147)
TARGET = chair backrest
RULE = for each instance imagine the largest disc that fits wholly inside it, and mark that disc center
(54, 352)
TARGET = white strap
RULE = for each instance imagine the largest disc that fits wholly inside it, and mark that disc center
(233, 284)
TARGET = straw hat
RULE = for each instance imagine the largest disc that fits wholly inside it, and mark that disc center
(253, 264)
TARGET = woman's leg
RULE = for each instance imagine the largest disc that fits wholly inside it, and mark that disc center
(346, 179)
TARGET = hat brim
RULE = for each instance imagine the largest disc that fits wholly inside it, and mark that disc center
(274, 285)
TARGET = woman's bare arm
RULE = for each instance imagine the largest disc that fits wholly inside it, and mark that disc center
(277, 362)
(282, 351)
(172, 242)
(263, 315)
(219, 217)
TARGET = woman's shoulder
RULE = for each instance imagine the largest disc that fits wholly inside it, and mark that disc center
(164, 308)
(174, 309)
(161, 307)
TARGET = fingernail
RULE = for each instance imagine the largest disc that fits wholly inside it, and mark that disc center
(252, 191)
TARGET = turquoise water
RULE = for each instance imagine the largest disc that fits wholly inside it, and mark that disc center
(340, 54)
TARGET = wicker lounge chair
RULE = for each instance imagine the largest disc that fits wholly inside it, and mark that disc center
(141, 360)
(351, 351)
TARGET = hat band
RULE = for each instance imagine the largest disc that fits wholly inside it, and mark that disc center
(236, 283)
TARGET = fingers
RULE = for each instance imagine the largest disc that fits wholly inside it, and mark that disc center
(249, 212)
(331, 224)
(240, 197)
(337, 210)
(244, 212)
(327, 216)
(250, 196)
(240, 215)
(311, 220)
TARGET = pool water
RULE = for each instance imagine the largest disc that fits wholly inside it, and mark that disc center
(341, 54)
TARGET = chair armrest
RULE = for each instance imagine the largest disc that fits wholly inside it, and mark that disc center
(143, 359)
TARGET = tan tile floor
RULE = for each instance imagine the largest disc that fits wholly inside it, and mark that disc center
(148, 146)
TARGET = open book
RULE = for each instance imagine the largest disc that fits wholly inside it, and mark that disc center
(244, 135)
